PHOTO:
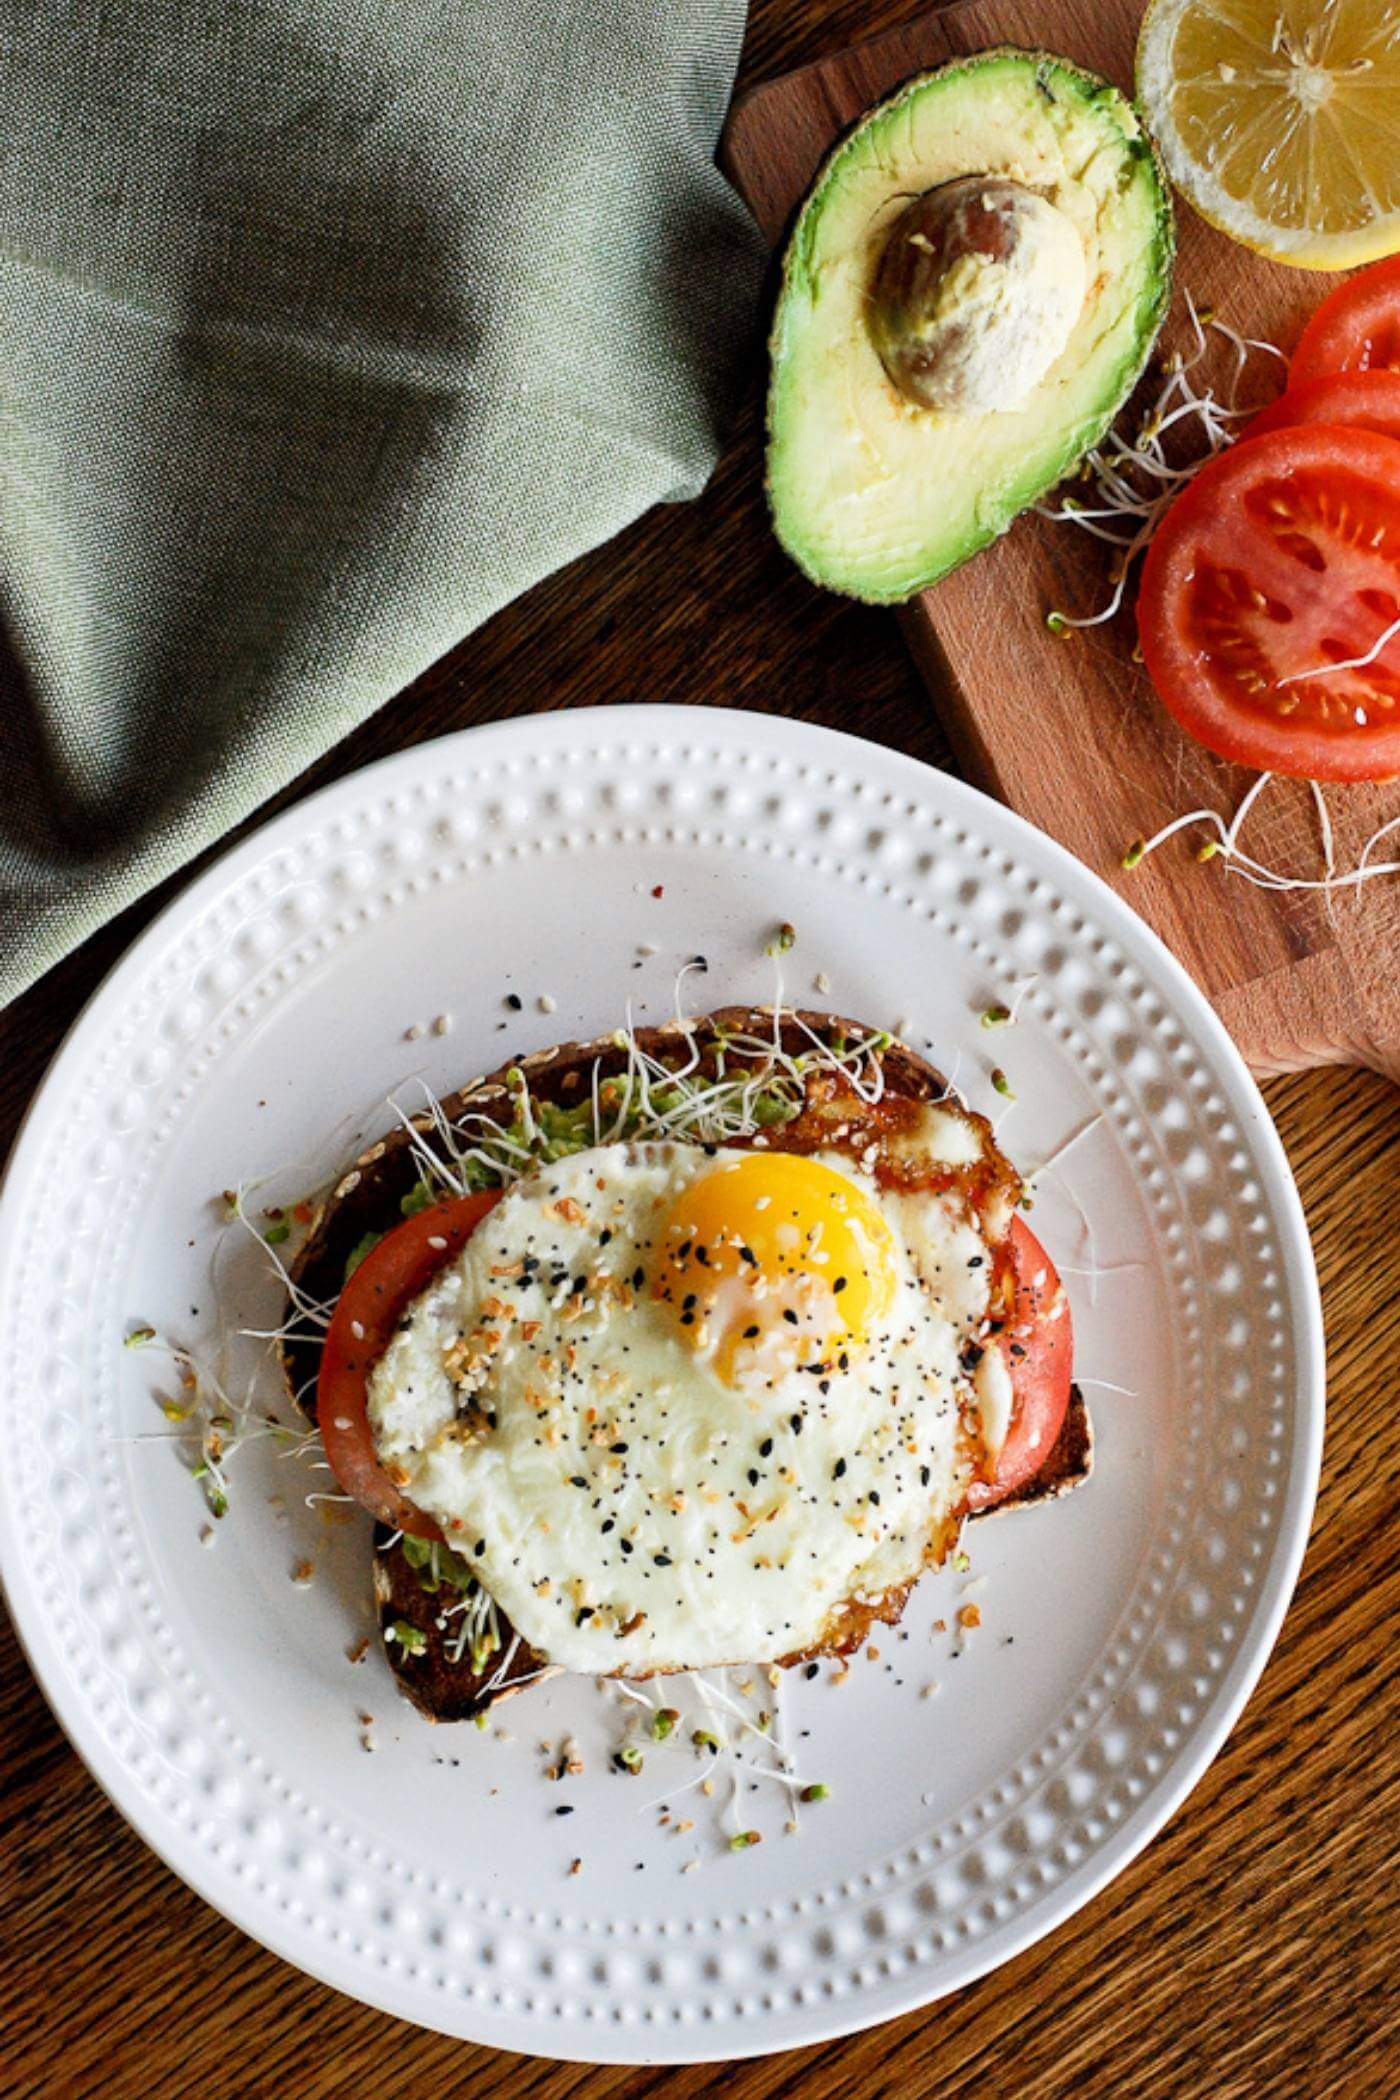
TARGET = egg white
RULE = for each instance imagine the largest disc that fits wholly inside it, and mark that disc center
(628, 1510)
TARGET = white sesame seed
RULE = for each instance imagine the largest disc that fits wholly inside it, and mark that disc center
(821, 982)
(437, 1242)
(545, 1004)
(357, 1327)
(443, 1025)
(413, 1032)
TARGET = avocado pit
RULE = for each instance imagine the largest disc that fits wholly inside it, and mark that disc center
(976, 292)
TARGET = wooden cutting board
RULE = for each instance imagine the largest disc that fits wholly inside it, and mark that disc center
(1070, 732)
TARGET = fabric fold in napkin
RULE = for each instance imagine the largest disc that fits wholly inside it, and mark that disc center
(327, 327)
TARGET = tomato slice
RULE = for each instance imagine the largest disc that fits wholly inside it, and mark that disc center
(1280, 558)
(1356, 328)
(1039, 1346)
(389, 1278)
(1361, 400)
(1038, 1341)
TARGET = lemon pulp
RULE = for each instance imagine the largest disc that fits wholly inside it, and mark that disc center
(1280, 121)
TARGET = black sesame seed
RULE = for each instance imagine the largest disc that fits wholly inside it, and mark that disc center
(838, 1286)
(838, 1470)
(749, 1333)
(810, 1671)
(753, 1476)
(565, 1808)
(924, 1476)
(661, 1560)
(626, 1545)
(576, 1480)
(617, 1449)
(766, 1447)
(791, 1317)
(610, 1524)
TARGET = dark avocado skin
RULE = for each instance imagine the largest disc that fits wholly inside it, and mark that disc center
(1164, 234)
(367, 1199)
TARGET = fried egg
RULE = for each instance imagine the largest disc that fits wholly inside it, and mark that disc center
(680, 1406)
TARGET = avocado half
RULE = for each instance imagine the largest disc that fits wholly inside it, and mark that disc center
(871, 494)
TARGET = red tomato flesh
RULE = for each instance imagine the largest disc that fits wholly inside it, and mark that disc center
(1039, 1346)
(1280, 560)
(1356, 328)
(1361, 400)
(1038, 1342)
(389, 1278)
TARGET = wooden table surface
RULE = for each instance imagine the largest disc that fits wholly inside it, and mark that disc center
(1253, 1950)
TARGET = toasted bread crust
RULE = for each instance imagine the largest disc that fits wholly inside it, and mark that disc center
(367, 1199)
(441, 1689)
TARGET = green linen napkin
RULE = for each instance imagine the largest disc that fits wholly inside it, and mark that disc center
(326, 327)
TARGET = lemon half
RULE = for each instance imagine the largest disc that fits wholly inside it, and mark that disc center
(1280, 121)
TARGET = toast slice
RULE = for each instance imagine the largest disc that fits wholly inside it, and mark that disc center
(424, 1650)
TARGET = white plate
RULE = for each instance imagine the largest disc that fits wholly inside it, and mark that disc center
(1123, 1629)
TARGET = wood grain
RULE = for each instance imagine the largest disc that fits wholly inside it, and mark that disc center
(1069, 731)
(1254, 1949)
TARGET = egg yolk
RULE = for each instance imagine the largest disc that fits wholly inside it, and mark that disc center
(774, 1260)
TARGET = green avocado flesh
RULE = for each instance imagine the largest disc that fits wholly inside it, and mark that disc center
(871, 494)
